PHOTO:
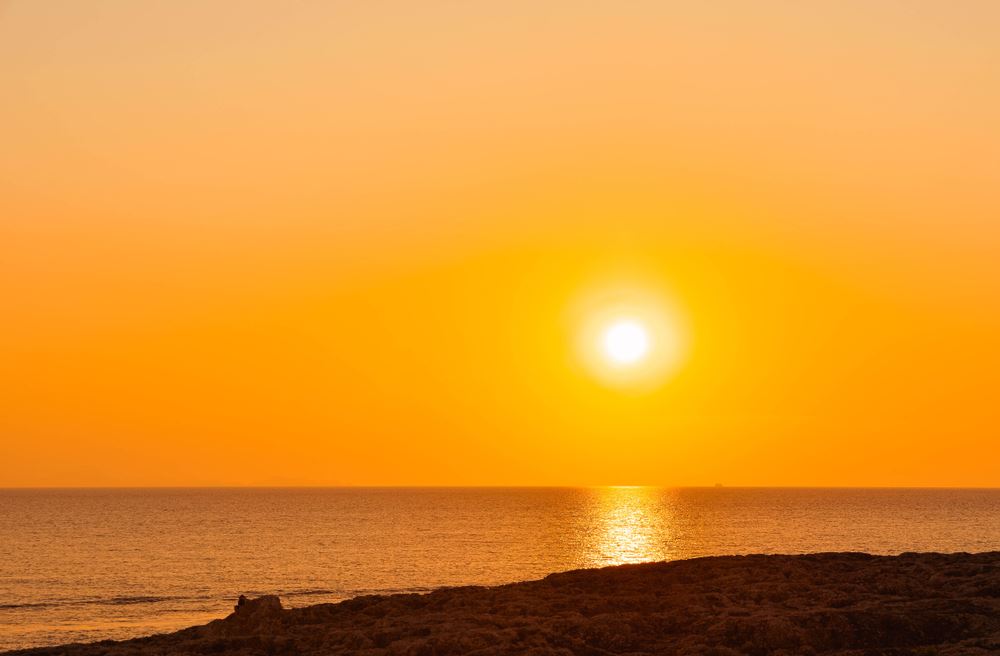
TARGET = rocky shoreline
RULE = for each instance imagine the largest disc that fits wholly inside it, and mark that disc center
(843, 604)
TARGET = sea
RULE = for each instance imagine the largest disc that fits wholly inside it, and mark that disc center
(80, 565)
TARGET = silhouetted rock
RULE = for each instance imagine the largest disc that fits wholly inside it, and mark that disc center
(261, 616)
(844, 604)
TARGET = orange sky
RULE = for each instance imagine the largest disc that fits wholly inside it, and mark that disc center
(339, 243)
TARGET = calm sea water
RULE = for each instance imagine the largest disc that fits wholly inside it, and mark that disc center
(82, 565)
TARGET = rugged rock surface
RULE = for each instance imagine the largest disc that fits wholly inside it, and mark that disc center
(844, 604)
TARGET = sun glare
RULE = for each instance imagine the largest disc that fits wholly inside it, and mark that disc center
(628, 337)
(626, 342)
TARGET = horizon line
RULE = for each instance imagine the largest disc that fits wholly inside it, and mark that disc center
(498, 487)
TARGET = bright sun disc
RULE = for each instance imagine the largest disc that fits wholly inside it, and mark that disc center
(627, 336)
(626, 342)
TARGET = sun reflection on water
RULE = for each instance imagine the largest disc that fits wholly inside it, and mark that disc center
(631, 525)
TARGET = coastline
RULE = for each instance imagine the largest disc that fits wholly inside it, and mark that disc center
(827, 603)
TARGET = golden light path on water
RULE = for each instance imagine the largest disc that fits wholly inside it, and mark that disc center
(631, 525)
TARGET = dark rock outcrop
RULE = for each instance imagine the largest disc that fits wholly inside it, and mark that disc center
(844, 604)
(251, 617)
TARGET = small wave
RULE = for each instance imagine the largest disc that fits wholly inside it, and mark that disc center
(121, 601)
(389, 591)
(304, 593)
(31, 604)
(109, 601)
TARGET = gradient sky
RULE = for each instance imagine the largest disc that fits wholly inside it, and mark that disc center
(255, 243)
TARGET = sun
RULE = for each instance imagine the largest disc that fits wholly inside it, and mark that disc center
(629, 337)
(626, 342)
